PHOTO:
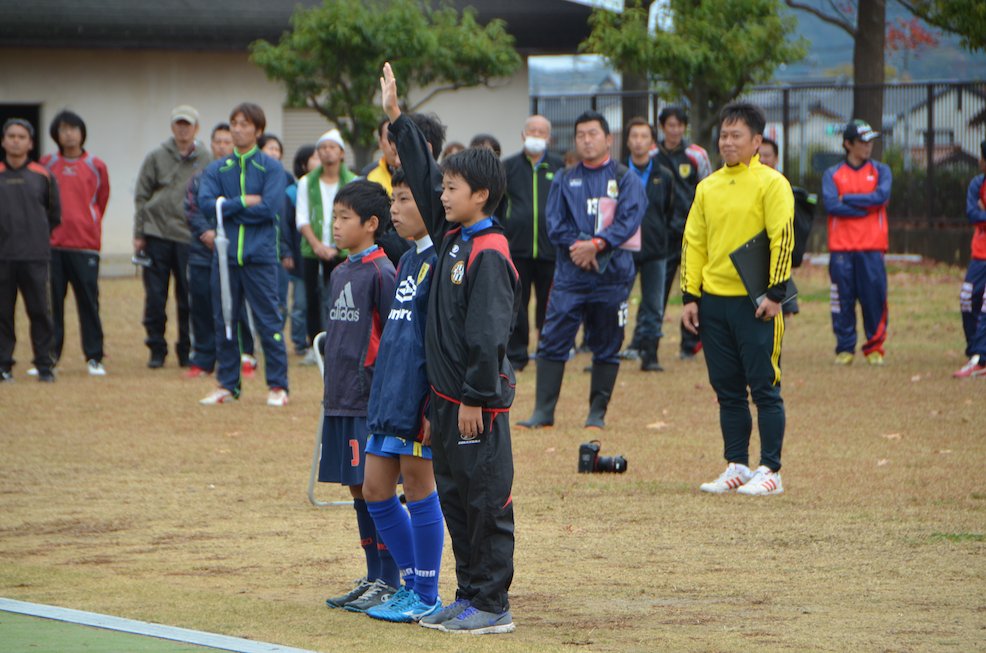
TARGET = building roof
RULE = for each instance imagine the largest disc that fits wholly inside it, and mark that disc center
(546, 26)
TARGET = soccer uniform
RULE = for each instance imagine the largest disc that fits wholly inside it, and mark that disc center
(856, 201)
(475, 293)
(253, 259)
(971, 297)
(732, 206)
(84, 187)
(361, 287)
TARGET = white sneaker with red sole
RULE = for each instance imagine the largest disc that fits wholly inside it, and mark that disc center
(763, 483)
(734, 477)
(218, 396)
(277, 397)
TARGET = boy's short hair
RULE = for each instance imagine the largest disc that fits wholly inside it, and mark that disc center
(592, 116)
(640, 121)
(366, 199)
(71, 119)
(486, 140)
(749, 114)
(771, 142)
(432, 129)
(398, 178)
(675, 112)
(481, 169)
(220, 127)
(252, 112)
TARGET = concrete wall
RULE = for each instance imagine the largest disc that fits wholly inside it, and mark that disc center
(126, 98)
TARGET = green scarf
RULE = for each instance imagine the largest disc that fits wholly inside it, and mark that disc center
(315, 211)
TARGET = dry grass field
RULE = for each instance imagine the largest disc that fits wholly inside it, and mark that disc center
(122, 495)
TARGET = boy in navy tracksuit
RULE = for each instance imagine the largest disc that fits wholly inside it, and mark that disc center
(400, 440)
(361, 290)
(971, 297)
(251, 185)
(472, 304)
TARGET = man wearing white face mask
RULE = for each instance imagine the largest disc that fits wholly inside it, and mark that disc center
(529, 176)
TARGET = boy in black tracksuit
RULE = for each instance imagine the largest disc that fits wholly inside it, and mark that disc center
(471, 309)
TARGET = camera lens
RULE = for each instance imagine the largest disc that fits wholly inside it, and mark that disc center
(616, 464)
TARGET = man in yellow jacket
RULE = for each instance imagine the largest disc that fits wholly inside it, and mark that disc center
(742, 343)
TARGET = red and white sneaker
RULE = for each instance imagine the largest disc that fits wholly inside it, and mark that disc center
(763, 483)
(735, 476)
(218, 396)
(277, 397)
(195, 372)
(971, 369)
(248, 364)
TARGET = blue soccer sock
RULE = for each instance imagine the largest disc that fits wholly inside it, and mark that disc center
(428, 534)
(367, 539)
(397, 552)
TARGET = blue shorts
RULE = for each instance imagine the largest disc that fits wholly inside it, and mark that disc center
(343, 450)
(389, 446)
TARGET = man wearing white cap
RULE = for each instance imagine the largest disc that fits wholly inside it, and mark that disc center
(319, 255)
(161, 230)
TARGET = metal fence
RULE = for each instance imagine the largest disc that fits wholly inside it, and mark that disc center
(931, 136)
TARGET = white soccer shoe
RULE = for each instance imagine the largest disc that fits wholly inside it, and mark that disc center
(217, 396)
(277, 397)
(763, 483)
(734, 476)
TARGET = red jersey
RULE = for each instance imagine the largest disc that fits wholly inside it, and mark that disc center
(84, 188)
(856, 201)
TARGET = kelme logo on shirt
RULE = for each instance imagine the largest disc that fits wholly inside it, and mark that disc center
(458, 271)
(344, 310)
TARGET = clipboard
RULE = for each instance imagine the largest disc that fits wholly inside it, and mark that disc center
(752, 262)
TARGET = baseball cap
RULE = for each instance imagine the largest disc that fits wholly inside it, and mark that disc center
(186, 113)
(858, 129)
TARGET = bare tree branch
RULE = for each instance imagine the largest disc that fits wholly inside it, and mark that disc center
(831, 20)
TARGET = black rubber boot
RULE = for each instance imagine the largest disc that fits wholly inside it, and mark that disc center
(549, 378)
(648, 358)
(600, 392)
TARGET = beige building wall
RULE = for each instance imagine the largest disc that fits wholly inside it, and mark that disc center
(126, 98)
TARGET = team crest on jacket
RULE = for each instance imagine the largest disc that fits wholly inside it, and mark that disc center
(423, 272)
(613, 189)
(458, 271)
(684, 169)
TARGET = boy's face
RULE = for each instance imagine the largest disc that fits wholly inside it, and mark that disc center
(737, 143)
(245, 133)
(69, 136)
(17, 141)
(347, 230)
(460, 202)
(405, 216)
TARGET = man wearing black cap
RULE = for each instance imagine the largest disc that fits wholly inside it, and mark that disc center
(29, 211)
(856, 192)
(971, 297)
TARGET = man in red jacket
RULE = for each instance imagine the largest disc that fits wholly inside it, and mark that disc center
(84, 185)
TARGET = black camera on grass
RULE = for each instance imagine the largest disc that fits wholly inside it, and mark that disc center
(590, 461)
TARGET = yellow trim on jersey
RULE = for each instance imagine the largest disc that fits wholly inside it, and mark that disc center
(416, 450)
(775, 353)
(732, 205)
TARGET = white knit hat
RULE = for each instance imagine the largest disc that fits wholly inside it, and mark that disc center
(331, 135)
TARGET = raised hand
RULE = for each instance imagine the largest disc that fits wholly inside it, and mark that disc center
(388, 93)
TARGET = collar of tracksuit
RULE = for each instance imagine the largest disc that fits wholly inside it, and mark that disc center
(359, 255)
(243, 157)
(643, 173)
(469, 232)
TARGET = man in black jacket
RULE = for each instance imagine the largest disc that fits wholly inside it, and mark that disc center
(652, 258)
(529, 176)
(29, 211)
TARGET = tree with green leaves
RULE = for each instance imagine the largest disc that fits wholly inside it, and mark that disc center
(710, 53)
(330, 59)
(967, 18)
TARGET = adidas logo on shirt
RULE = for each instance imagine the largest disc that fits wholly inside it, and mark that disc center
(406, 291)
(344, 310)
